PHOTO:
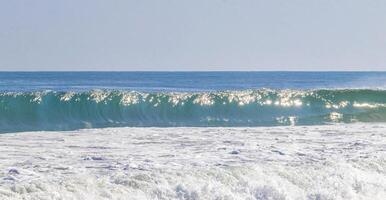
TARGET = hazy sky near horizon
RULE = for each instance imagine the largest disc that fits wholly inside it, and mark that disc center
(193, 35)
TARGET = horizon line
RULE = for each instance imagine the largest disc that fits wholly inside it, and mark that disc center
(174, 71)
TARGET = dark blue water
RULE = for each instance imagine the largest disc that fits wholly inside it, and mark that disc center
(187, 81)
(74, 100)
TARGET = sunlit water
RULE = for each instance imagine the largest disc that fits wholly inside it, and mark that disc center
(206, 135)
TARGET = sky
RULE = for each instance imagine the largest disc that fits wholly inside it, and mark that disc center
(190, 35)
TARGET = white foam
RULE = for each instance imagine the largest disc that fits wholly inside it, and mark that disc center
(314, 162)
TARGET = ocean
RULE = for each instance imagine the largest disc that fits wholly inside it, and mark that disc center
(193, 135)
(52, 101)
(74, 100)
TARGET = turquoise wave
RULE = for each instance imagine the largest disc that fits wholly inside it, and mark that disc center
(50, 110)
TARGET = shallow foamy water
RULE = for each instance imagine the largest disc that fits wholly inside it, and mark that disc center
(310, 162)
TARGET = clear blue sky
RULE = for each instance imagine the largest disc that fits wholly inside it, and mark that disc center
(193, 35)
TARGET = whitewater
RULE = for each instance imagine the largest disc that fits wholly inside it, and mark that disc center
(340, 161)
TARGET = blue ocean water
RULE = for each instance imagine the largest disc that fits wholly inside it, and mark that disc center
(186, 81)
(35, 101)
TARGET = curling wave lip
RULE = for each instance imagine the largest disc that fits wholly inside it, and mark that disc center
(53, 110)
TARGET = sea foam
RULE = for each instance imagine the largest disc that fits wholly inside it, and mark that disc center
(300, 162)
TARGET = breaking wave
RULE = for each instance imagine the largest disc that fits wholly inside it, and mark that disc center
(50, 110)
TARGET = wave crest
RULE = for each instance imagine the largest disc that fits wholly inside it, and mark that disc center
(50, 110)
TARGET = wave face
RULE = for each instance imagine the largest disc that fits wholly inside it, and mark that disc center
(49, 110)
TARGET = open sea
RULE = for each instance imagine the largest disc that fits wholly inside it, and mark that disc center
(193, 135)
(35, 101)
